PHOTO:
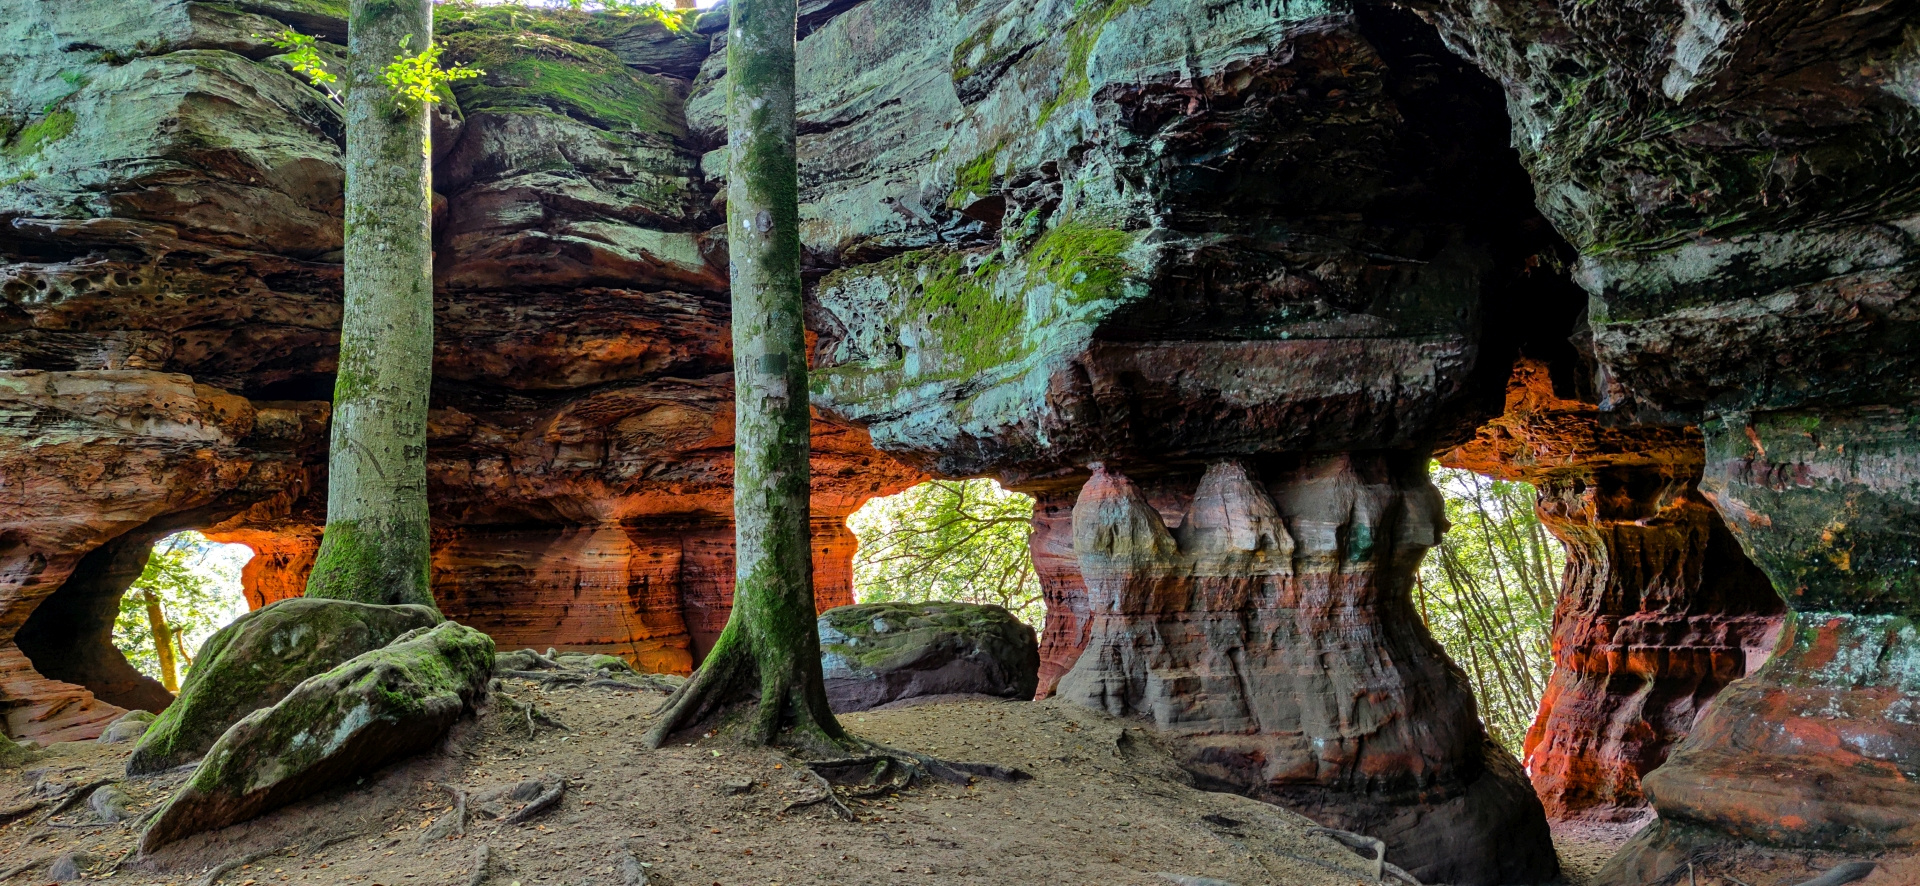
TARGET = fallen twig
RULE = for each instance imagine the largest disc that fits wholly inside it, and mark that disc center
(1381, 867)
(454, 822)
(542, 803)
(22, 868)
(1843, 874)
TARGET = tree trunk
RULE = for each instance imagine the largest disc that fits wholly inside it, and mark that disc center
(375, 546)
(162, 643)
(771, 642)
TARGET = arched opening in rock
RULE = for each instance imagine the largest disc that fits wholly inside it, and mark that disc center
(1487, 592)
(77, 636)
(189, 589)
(960, 540)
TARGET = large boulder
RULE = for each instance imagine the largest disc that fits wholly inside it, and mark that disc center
(379, 707)
(876, 653)
(257, 660)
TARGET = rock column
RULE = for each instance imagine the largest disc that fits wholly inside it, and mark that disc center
(1659, 611)
(1271, 632)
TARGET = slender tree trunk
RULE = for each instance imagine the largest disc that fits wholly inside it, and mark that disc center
(162, 642)
(771, 642)
(375, 546)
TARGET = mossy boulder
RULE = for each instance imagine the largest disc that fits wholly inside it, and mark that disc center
(127, 728)
(14, 754)
(877, 653)
(379, 707)
(257, 660)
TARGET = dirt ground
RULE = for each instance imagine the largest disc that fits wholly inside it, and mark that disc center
(1105, 806)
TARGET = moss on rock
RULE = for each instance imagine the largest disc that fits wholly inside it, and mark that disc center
(257, 660)
(877, 653)
(539, 73)
(382, 705)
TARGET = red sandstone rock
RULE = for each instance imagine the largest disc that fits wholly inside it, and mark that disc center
(1269, 630)
(1658, 609)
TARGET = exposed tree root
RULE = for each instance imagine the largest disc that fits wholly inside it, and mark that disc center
(481, 855)
(533, 716)
(227, 867)
(555, 787)
(823, 793)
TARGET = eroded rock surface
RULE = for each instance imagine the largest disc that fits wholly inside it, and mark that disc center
(1658, 609)
(1272, 630)
(1739, 181)
(878, 653)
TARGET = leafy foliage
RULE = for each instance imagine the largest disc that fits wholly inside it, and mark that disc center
(303, 56)
(197, 588)
(1487, 594)
(963, 540)
(419, 77)
(414, 78)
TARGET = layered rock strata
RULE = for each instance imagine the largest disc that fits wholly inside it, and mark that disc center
(1658, 610)
(169, 305)
(1163, 235)
(1272, 630)
(1740, 180)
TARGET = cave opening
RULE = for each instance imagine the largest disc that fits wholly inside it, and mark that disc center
(189, 588)
(949, 540)
(127, 624)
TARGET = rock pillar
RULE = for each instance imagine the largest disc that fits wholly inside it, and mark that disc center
(1658, 609)
(1270, 631)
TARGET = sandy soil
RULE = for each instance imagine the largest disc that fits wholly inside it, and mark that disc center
(1585, 846)
(1105, 806)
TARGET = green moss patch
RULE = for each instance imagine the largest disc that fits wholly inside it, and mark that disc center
(31, 138)
(532, 72)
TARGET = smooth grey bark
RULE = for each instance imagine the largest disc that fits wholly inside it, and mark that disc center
(375, 546)
(771, 642)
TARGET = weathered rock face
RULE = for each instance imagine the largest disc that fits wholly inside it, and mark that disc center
(878, 653)
(1272, 629)
(1740, 181)
(1184, 239)
(1658, 610)
(1109, 245)
(169, 304)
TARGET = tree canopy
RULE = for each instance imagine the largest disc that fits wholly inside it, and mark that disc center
(962, 540)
